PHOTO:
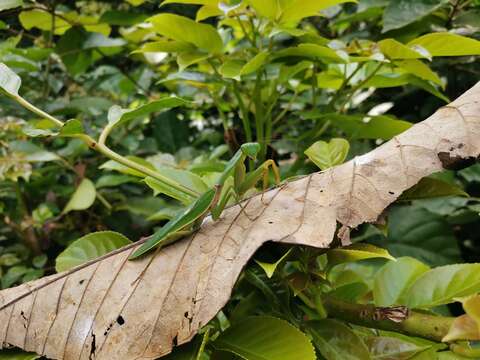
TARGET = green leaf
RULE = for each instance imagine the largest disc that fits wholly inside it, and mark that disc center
(70, 49)
(325, 155)
(417, 232)
(82, 198)
(183, 177)
(296, 10)
(313, 51)
(270, 268)
(394, 50)
(364, 126)
(42, 20)
(356, 252)
(10, 4)
(166, 46)
(255, 63)
(180, 28)
(336, 341)
(122, 18)
(394, 278)
(231, 69)
(118, 116)
(441, 285)
(15, 354)
(113, 180)
(113, 165)
(447, 44)
(89, 247)
(71, 128)
(430, 188)
(418, 68)
(265, 338)
(185, 59)
(399, 13)
(471, 174)
(10, 82)
(383, 347)
(270, 9)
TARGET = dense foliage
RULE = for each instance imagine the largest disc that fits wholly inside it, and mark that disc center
(177, 87)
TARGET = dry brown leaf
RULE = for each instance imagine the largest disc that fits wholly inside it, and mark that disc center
(112, 308)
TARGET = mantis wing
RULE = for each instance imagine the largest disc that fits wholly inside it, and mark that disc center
(198, 208)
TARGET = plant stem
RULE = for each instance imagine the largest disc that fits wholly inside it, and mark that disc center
(344, 85)
(359, 85)
(433, 327)
(243, 113)
(36, 110)
(103, 149)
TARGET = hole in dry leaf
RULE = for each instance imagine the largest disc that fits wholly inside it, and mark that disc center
(175, 340)
(81, 281)
(120, 320)
(450, 162)
(391, 193)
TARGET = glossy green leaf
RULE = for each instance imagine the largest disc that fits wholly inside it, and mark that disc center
(166, 46)
(430, 188)
(471, 174)
(115, 166)
(255, 63)
(15, 354)
(265, 338)
(70, 48)
(10, 82)
(183, 220)
(113, 180)
(420, 69)
(356, 252)
(207, 11)
(42, 20)
(399, 13)
(82, 198)
(326, 155)
(89, 247)
(183, 177)
(394, 278)
(447, 44)
(270, 268)
(295, 10)
(419, 233)
(364, 126)
(314, 51)
(271, 9)
(336, 341)
(441, 285)
(10, 4)
(232, 69)
(118, 116)
(122, 18)
(383, 347)
(187, 58)
(180, 28)
(394, 50)
(71, 128)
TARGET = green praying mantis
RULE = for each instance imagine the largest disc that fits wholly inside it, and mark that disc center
(214, 200)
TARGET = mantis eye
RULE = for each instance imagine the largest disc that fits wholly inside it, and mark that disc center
(251, 149)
